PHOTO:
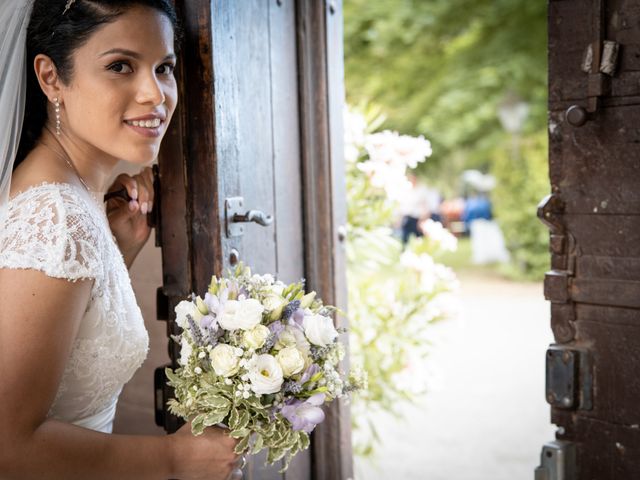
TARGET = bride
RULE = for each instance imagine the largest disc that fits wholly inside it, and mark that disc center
(99, 88)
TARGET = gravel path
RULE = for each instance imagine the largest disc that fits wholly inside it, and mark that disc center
(484, 417)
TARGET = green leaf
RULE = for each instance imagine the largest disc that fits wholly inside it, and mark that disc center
(243, 445)
(213, 418)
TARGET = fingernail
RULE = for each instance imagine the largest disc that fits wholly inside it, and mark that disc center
(132, 205)
(144, 208)
(134, 194)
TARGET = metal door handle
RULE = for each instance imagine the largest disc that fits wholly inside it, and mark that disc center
(256, 216)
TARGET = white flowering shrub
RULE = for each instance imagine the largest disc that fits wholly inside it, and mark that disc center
(395, 292)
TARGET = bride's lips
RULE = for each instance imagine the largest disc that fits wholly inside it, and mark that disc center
(153, 131)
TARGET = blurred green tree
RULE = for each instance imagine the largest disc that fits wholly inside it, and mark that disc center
(440, 68)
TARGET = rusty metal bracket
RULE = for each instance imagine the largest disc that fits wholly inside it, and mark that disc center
(569, 380)
(559, 280)
(557, 461)
(600, 62)
(550, 209)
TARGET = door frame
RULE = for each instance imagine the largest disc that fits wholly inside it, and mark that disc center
(191, 229)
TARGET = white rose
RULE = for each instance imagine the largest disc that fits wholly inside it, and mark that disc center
(273, 301)
(241, 314)
(291, 360)
(293, 337)
(319, 329)
(185, 351)
(224, 360)
(278, 288)
(183, 309)
(274, 304)
(286, 338)
(256, 337)
(265, 374)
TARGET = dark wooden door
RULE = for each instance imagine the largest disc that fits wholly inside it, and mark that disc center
(594, 216)
(259, 128)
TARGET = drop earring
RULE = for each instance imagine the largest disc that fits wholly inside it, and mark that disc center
(57, 105)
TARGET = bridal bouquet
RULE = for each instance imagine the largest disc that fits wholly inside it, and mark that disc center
(260, 357)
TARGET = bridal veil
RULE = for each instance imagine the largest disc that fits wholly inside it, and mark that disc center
(14, 20)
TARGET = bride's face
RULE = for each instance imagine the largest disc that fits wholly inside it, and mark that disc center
(122, 92)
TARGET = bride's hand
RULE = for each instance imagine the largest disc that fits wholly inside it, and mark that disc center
(128, 220)
(209, 456)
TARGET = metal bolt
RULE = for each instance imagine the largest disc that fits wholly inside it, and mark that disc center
(551, 398)
(234, 257)
(566, 401)
(342, 233)
(566, 356)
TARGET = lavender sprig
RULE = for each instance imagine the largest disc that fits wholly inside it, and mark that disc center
(289, 309)
(196, 333)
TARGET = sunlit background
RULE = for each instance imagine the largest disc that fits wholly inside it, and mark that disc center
(446, 153)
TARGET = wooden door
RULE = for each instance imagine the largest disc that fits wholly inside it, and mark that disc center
(259, 128)
(593, 213)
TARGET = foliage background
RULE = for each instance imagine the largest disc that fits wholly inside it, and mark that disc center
(440, 68)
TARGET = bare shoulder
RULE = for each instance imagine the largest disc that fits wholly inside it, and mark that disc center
(39, 167)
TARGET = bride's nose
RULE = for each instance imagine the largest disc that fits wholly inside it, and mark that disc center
(150, 90)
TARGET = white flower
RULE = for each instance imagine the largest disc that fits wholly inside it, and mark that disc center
(319, 329)
(265, 374)
(278, 288)
(390, 154)
(256, 337)
(185, 308)
(185, 351)
(274, 303)
(440, 235)
(224, 360)
(293, 337)
(291, 360)
(241, 314)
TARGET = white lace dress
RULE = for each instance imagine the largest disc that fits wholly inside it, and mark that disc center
(61, 230)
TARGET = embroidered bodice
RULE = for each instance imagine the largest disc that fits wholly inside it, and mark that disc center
(61, 230)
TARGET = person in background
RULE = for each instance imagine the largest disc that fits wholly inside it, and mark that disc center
(417, 205)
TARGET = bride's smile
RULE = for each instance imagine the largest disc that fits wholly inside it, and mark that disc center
(122, 92)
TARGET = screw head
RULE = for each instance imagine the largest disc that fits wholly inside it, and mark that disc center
(234, 257)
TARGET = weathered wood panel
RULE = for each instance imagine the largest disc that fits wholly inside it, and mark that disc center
(241, 136)
(322, 99)
(608, 452)
(605, 162)
(595, 213)
(287, 167)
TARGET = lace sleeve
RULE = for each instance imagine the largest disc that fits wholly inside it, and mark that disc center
(50, 230)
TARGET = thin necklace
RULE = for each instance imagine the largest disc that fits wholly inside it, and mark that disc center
(72, 166)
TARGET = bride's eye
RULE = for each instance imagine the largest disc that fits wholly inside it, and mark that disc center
(168, 68)
(120, 67)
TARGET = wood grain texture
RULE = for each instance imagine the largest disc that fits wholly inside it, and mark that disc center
(596, 167)
(321, 101)
(594, 172)
(261, 118)
(202, 166)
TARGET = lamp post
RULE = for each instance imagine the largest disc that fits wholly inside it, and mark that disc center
(513, 112)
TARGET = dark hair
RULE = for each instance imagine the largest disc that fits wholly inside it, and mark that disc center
(57, 35)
